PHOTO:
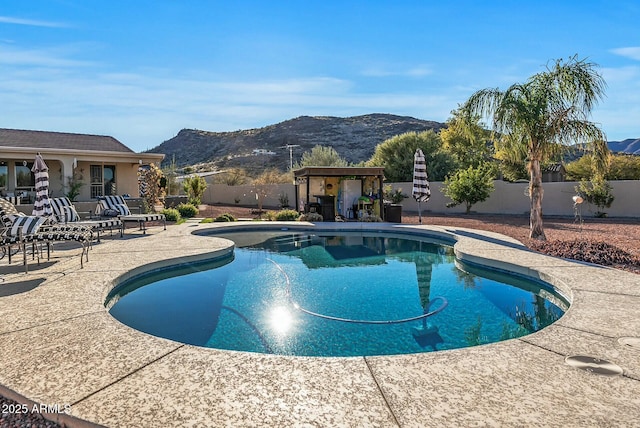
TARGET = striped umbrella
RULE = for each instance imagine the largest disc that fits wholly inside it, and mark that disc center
(41, 206)
(421, 191)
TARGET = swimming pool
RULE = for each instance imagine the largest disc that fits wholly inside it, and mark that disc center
(334, 294)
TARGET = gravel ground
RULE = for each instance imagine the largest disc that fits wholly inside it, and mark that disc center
(623, 234)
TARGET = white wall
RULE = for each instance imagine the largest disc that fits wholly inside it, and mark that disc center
(511, 198)
(507, 198)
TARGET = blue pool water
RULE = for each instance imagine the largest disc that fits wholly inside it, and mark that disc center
(327, 295)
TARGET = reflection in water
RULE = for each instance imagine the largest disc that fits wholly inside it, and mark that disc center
(281, 320)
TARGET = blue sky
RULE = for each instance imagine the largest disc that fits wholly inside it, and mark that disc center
(142, 70)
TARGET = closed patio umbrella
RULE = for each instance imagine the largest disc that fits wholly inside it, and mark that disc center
(41, 206)
(421, 191)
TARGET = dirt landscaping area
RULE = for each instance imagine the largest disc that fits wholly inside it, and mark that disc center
(608, 241)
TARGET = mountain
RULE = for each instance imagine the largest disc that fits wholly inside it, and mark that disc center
(354, 138)
(629, 146)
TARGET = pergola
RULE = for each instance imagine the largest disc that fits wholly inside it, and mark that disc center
(303, 177)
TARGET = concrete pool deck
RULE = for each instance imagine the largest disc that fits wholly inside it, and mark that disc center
(59, 346)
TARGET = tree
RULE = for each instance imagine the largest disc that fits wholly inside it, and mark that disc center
(154, 193)
(396, 156)
(263, 184)
(511, 159)
(545, 114)
(170, 173)
(579, 169)
(466, 140)
(321, 156)
(622, 167)
(232, 177)
(469, 186)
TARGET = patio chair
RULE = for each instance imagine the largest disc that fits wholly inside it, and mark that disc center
(20, 230)
(15, 233)
(115, 205)
(65, 213)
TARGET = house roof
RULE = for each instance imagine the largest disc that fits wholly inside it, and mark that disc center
(60, 140)
(554, 167)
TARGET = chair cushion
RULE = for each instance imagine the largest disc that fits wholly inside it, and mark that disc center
(69, 214)
(26, 225)
(123, 209)
(58, 205)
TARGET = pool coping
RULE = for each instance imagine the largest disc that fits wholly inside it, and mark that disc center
(61, 348)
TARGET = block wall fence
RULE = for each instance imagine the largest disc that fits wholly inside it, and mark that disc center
(507, 198)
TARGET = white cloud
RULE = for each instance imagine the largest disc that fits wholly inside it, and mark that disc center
(416, 72)
(628, 75)
(30, 22)
(37, 57)
(632, 52)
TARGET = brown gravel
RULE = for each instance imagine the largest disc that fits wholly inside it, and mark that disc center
(621, 233)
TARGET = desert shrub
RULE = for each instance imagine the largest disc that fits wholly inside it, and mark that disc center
(194, 187)
(311, 217)
(171, 214)
(225, 217)
(268, 215)
(287, 215)
(187, 210)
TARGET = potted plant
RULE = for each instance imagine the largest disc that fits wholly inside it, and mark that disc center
(393, 204)
(283, 198)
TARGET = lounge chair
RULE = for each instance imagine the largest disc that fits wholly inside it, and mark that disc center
(115, 205)
(21, 229)
(65, 213)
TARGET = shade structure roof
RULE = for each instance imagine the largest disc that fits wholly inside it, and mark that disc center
(332, 171)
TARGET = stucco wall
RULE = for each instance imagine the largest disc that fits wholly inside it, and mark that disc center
(126, 179)
(508, 198)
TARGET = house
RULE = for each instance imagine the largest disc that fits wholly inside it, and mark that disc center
(100, 164)
(553, 173)
(257, 152)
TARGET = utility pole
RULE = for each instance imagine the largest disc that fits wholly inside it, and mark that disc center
(290, 147)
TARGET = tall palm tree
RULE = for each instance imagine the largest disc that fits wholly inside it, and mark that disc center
(544, 115)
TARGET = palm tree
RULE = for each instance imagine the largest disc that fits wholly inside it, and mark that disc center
(544, 115)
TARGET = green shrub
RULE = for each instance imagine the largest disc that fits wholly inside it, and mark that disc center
(597, 192)
(207, 220)
(287, 215)
(171, 214)
(187, 210)
(224, 217)
(469, 186)
(311, 217)
(194, 186)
